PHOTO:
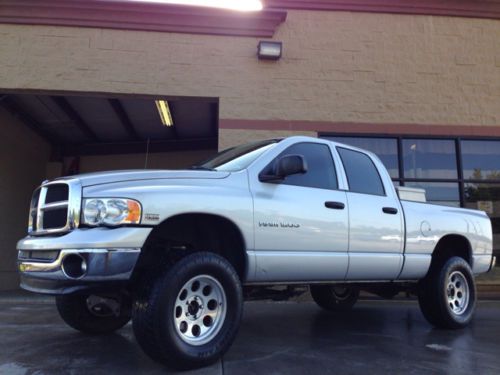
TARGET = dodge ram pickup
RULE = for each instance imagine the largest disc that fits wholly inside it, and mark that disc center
(177, 252)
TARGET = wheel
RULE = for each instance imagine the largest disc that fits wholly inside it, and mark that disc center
(334, 298)
(192, 312)
(94, 314)
(447, 295)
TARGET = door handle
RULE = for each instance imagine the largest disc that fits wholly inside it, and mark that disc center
(335, 205)
(390, 210)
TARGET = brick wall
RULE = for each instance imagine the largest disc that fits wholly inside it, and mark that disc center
(337, 66)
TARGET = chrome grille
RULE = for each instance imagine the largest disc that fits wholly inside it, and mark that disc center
(55, 207)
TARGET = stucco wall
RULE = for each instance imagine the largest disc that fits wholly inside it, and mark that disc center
(337, 66)
(23, 158)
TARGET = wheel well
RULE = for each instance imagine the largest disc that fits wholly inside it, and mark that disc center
(187, 233)
(449, 246)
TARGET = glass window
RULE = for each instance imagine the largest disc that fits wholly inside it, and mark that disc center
(486, 197)
(320, 168)
(429, 158)
(236, 158)
(481, 160)
(445, 193)
(385, 148)
(362, 175)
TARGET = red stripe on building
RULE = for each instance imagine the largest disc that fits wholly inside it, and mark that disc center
(461, 8)
(363, 128)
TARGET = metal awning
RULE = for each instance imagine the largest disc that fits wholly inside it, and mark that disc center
(92, 125)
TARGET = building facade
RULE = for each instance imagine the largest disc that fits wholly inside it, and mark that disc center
(418, 85)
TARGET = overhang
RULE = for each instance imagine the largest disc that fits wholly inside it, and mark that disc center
(117, 14)
(459, 8)
(142, 16)
(76, 125)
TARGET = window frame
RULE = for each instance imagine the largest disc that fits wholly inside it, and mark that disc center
(374, 166)
(334, 164)
(465, 139)
(335, 142)
(461, 181)
(421, 179)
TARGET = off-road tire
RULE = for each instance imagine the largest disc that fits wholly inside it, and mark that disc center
(154, 315)
(329, 298)
(437, 292)
(74, 311)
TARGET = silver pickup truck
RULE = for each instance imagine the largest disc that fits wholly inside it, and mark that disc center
(178, 251)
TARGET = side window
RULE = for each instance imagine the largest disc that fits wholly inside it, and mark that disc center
(362, 175)
(320, 168)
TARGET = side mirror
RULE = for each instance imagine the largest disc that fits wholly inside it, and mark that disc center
(285, 166)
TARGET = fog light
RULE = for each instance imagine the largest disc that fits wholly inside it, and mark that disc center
(74, 266)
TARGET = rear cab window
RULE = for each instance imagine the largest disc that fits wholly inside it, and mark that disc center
(362, 174)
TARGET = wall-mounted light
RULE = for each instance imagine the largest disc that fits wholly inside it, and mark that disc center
(269, 50)
(164, 111)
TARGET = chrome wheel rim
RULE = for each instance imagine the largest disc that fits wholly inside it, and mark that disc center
(199, 310)
(458, 293)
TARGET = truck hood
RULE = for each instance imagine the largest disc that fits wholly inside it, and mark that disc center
(89, 179)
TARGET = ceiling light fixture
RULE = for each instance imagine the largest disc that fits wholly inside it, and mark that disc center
(241, 5)
(164, 111)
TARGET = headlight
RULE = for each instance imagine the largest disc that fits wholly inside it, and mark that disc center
(111, 211)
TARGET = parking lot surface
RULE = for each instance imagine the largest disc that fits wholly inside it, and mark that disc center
(275, 338)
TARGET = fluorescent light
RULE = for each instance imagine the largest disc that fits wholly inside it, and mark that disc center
(243, 5)
(164, 111)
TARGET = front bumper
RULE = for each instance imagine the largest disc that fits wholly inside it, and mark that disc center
(100, 266)
(82, 259)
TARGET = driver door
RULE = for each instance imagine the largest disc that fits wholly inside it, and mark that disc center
(301, 222)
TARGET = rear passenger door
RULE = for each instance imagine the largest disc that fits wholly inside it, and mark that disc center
(375, 219)
(297, 236)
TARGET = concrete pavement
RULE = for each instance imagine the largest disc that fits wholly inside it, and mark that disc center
(377, 337)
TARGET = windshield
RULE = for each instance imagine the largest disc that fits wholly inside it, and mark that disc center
(236, 158)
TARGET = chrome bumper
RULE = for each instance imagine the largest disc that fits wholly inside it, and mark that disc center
(100, 264)
(93, 268)
(89, 238)
(101, 256)
(60, 275)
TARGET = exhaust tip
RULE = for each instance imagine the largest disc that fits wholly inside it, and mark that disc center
(74, 266)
